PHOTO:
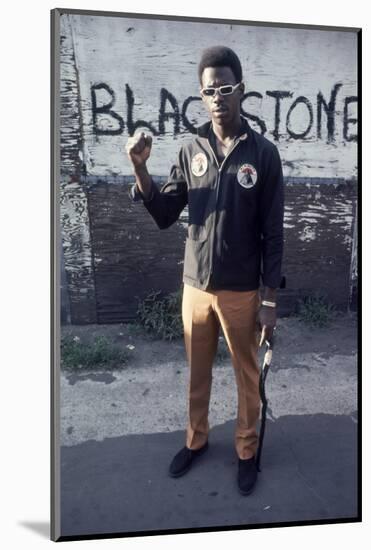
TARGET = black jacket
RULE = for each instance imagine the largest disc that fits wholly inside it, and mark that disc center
(235, 226)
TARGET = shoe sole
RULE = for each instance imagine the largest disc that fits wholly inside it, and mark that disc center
(179, 474)
(185, 470)
(245, 493)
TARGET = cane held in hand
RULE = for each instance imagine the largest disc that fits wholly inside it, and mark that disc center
(263, 374)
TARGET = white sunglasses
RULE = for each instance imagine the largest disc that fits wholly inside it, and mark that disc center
(227, 89)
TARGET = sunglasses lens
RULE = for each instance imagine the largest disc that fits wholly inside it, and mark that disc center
(225, 90)
(209, 91)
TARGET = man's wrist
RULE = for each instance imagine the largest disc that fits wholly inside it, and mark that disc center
(145, 197)
(269, 298)
(143, 182)
(269, 294)
(141, 170)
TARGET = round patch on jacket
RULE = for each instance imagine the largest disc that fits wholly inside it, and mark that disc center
(247, 176)
(199, 164)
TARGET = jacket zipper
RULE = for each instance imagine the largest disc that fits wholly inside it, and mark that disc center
(216, 200)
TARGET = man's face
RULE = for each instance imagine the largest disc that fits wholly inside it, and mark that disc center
(222, 108)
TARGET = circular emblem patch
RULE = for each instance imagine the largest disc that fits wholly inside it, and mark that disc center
(199, 164)
(247, 176)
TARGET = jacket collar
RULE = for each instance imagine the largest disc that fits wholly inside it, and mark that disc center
(204, 129)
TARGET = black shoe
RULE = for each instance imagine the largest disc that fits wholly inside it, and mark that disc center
(182, 461)
(247, 475)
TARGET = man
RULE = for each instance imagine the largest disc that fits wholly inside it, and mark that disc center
(231, 178)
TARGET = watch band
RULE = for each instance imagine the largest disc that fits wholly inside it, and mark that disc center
(269, 304)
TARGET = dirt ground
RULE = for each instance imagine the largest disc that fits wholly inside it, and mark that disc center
(339, 337)
(313, 371)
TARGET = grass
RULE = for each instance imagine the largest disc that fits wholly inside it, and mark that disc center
(102, 353)
(161, 316)
(315, 311)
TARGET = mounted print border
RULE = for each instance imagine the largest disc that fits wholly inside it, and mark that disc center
(114, 74)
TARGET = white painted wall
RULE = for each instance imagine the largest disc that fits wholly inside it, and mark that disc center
(152, 54)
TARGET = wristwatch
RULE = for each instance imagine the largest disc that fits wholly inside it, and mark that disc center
(269, 304)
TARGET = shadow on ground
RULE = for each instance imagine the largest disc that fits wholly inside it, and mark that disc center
(309, 472)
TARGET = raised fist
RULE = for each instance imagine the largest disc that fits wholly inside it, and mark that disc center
(138, 149)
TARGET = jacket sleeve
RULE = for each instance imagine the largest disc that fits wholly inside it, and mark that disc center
(271, 215)
(166, 203)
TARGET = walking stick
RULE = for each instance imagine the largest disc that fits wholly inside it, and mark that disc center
(263, 375)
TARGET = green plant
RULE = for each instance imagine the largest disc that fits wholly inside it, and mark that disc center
(315, 311)
(101, 353)
(161, 317)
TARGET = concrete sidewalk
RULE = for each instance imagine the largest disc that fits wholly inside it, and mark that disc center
(309, 472)
(119, 432)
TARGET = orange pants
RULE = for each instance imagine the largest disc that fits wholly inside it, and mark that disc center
(203, 312)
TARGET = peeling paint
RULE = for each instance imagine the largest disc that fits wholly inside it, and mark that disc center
(318, 207)
(308, 234)
(345, 220)
(311, 216)
(74, 216)
(348, 241)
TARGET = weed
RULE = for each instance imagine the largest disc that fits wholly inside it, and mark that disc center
(101, 353)
(161, 317)
(315, 311)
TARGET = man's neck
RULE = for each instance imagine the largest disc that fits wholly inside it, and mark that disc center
(227, 133)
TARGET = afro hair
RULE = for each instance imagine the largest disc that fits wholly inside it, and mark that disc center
(220, 56)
